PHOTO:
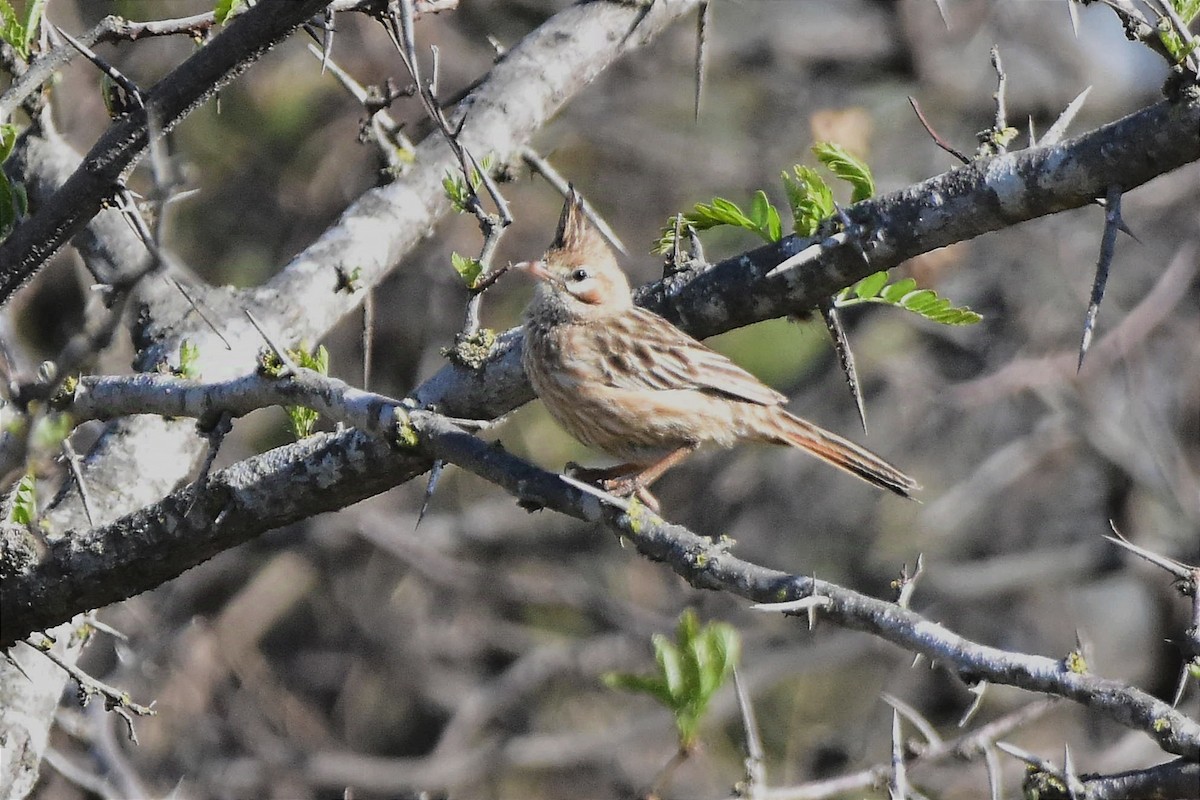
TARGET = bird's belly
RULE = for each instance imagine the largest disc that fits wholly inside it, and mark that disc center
(637, 425)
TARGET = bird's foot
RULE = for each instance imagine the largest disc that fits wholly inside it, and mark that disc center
(617, 481)
(631, 486)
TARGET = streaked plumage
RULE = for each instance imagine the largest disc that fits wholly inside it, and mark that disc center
(625, 381)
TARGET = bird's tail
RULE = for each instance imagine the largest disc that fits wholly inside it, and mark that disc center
(784, 428)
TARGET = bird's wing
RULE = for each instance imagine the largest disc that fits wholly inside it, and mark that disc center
(641, 350)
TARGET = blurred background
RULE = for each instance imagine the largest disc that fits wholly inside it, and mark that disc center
(463, 657)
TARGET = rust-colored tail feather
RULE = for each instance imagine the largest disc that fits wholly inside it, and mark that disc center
(788, 429)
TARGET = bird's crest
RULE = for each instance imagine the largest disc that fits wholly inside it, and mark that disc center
(577, 241)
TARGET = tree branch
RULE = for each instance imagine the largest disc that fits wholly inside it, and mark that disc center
(63, 215)
(326, 472)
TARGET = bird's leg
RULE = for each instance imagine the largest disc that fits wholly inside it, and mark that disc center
(655, 471)
(625, 480)
(590, 475)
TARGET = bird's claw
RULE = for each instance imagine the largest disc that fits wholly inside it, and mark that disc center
(631, 487)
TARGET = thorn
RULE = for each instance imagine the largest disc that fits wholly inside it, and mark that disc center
(978, 690)
(1108, 241)
(841, 345)
(1059, 129)
(703, 18)
(435, 473)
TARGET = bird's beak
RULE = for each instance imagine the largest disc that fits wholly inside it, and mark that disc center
(535, 268)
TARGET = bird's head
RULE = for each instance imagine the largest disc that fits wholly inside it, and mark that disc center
(579, 279)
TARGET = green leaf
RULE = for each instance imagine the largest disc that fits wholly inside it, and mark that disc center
(765, 217)
(302, 420)
(774, 231)
(640, 684)
(905, 294)
(670, 668)
(33, 19)
(469, 269)
(24, 507)
(893, 293)
(690, 671)
(189, 355)
(8, 138)
(846, 167)
(225, 10)
(709, 215)
(49, 431)
(1188, 10)
(458, 192)
(870, 286)
(20, 33)
(919, 300)
(759, 209)
(810, 198)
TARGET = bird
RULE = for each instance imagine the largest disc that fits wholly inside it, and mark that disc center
(625, 381)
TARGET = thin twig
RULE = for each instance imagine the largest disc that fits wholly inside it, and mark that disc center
(937, 138)
(1180, 570)
(114, 699)
(133, 95)
(916, 718)
(72, 459)
(898, 788)
(756, 774)
(1001, 123)
(289, 366)
(384, 130)
(544, 168)
(400, 31)
(908, 583)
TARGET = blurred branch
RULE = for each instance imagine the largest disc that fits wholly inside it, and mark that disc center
(968, 746)
(55, 221)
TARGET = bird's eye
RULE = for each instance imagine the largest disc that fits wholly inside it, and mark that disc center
(580, 274)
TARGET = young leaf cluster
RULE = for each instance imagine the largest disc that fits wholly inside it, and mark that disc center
(1187, 10)
(810, 198)
(189, 357)
(690, 671)
(24, 502)
(848, 168)
(469, 269)
(304, 420)
(905, 294)
(808, 195)
(18, 32)
(13, 202)
(457, 191)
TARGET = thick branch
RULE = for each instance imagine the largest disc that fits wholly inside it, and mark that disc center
(965, 202)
